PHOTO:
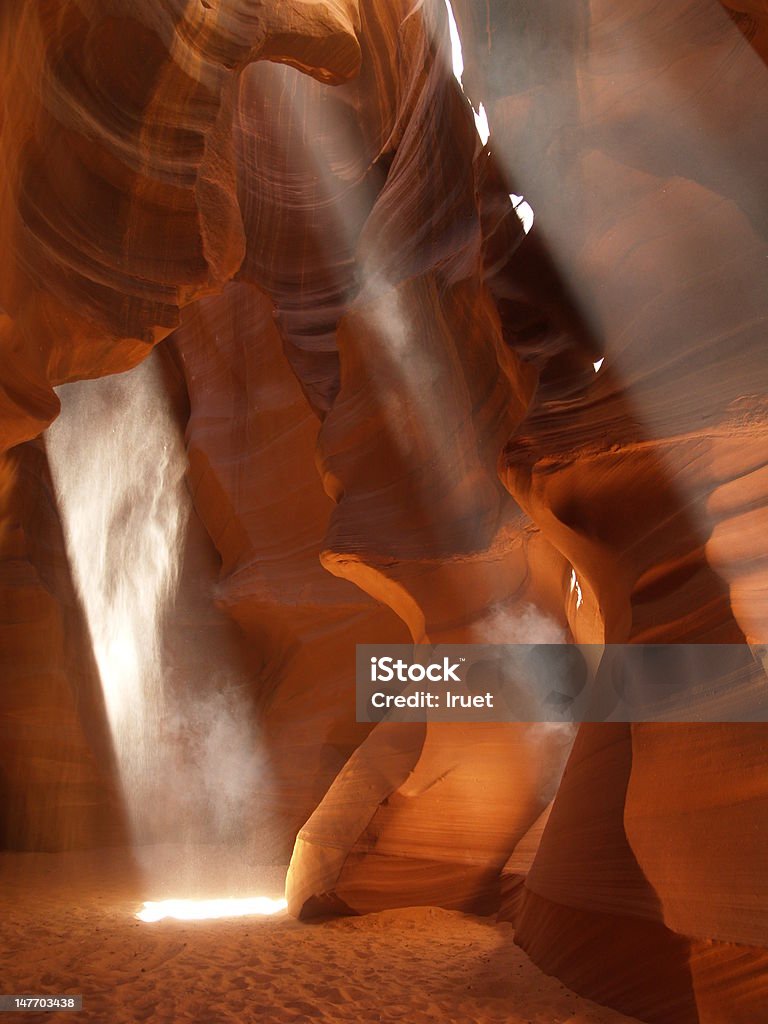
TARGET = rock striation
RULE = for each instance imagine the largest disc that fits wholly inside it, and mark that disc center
(118, 201)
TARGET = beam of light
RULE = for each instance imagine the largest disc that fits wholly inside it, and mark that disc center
(118, 463)
(208, 910)
(576, 586)
(598, 364)
(117, 460)
(411, 371)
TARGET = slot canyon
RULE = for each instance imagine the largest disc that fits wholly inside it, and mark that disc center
(327, 323)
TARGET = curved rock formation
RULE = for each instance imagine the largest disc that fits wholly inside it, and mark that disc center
(118, 196)
(425, 814)
(620, 873)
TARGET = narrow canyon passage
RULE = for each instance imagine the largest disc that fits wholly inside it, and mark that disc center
(339, 335)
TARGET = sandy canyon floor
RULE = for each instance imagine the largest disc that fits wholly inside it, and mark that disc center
(68, 925)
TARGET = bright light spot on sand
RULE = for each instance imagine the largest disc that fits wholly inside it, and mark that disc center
(598, 364)
(207, 910)
(524, 211)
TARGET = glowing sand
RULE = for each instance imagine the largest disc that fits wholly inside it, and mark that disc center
(207, 910)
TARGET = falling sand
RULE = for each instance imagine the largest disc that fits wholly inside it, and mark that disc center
(71, 927)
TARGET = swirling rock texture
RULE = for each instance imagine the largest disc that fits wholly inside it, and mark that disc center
(118, 202)
(406, 419)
